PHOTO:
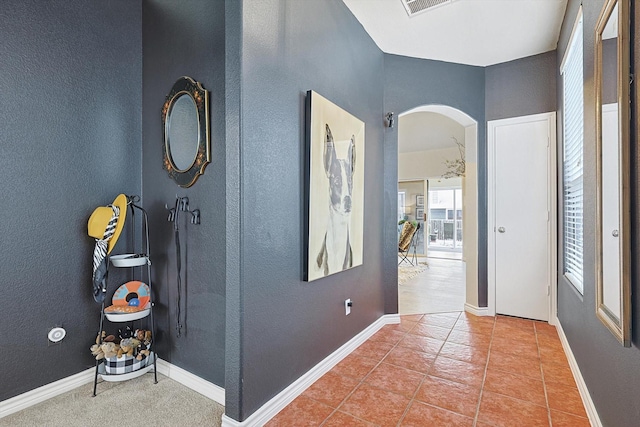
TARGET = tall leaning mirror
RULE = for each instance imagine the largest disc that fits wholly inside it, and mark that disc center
(613, 249)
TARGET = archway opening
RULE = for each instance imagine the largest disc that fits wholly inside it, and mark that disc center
(433, 141)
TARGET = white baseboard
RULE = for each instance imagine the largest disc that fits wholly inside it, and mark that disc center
(194, 382)
(592, 413)
(476, 311)
(286, 396)
(40, 394)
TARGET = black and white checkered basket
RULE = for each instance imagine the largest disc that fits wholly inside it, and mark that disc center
(124, 364)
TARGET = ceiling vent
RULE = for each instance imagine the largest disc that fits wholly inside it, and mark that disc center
(415, 7)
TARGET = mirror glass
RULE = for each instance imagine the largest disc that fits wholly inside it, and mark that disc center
(182, 129)
(185, 117)
(612, 95)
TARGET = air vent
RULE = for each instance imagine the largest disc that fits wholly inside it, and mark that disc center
(415, 7)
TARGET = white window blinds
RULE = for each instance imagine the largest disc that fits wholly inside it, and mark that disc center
(573, 125)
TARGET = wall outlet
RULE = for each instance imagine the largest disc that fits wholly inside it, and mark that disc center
(347, 306)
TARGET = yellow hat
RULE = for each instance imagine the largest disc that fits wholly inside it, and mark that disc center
(100, 218)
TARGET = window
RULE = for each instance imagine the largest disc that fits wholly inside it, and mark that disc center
(401, 200)
(573, 125)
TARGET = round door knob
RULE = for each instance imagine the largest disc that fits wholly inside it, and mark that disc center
(614, 233)
(501, 230)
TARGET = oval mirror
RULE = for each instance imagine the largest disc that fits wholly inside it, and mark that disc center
(182, 132)
(613, 250)
(185, 117)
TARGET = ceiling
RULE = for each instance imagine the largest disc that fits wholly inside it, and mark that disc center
(473, 32)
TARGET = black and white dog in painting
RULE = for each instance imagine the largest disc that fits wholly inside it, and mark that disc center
(335, 254)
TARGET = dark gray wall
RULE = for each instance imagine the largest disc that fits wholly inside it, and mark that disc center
(610, 371)
(409, 83)
(288, 325)
(186, 39)
(70, 80)
(521, 87)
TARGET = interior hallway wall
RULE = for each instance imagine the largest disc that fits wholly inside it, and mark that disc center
(289, 325)
(186, 39)
(412, 82)
(70, 80)
(610, 370)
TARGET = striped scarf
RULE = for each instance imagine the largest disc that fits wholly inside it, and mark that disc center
(99, 255)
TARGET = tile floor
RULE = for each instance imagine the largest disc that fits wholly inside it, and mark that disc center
(446, 369)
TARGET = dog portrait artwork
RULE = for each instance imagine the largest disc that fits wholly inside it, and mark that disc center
(336, 189)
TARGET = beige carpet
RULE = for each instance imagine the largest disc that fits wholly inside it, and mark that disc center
(407, 272)
(137, 402)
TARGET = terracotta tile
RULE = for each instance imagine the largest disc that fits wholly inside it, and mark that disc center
(458, 371)
(503, 411)
(388, 335)
(454, 314)
(518, 322)
(560, 419)
(565, 399)
(394, 378)
(456, 397)
(331, 389)
(424, 344)
(560, 374)
(373, 349)
(503, 331)
(301, 412)
(469, 338)
(545, 328)
(375, 405)
(420, 415)
(475, 327)
(465, 353)
(481, 424)
(432, 331)
(468, 317)
(402, 327)
(517, 348)
(549, 341)
(526, 366)
(553, 355)
(438, 320)
(410, 359)
(517, 386)
(411, 317)
(354, 366)
(340, 419)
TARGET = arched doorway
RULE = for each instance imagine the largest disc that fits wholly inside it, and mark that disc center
(469, 185)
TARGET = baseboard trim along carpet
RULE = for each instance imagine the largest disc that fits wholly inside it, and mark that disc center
(40, 394)
(194, 382)
(286, 396)
(476, 311)
(592, 413)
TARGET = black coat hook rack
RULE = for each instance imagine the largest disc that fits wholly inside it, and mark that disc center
(182, 205)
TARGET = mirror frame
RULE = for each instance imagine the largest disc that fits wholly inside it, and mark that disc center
(621, 327)
(200, 96)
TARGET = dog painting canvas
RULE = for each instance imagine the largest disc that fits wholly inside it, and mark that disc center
(336, 188)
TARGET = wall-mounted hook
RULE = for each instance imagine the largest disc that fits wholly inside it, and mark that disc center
(195, 217)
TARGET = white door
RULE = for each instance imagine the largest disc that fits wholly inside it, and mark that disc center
(521, 182)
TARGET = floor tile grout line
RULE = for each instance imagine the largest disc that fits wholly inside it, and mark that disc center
(484, 377)
(362, 381)
(544, 383)
(415, 393)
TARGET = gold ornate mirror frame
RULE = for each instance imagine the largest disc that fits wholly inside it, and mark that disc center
(613, 245)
